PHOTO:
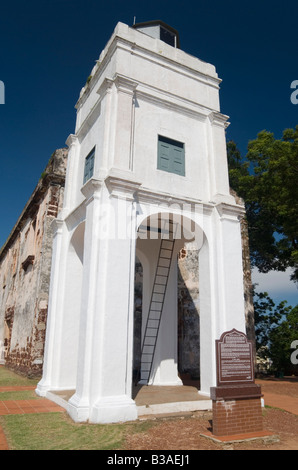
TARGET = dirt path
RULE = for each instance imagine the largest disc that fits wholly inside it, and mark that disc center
(184, 432)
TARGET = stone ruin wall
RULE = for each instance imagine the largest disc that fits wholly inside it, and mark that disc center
(25, 265)
(247, 280)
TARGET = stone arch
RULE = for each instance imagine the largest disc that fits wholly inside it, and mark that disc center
(148, 248)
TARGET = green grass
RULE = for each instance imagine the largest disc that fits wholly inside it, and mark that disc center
(19, 395)
(10, 379)
(56, 431)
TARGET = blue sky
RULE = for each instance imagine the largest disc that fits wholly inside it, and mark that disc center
(48, 48)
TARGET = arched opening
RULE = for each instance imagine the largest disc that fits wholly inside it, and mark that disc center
(173, 334)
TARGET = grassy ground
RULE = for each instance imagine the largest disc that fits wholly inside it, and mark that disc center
(10, 379)
(56, 431)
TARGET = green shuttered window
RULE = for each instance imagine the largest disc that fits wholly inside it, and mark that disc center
(89, 166)
(171, 156)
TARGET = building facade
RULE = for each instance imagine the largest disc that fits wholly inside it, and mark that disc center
(147, 176)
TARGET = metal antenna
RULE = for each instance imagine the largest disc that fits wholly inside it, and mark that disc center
(134, 20)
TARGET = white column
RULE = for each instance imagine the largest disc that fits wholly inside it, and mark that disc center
(50, 378)
(124, 125)
(230, 271)
(218, 164)
(221, 285)
(72, 172)
(79, 404)
(103, 391)
(112, 377)
(208, 303)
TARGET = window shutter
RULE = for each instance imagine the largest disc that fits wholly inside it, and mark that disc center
(178, 161)
(89, 166)
(171, 156)
(164, 156)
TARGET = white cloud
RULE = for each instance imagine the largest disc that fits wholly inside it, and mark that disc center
(277, 284)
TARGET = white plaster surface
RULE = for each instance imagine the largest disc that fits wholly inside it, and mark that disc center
(140, 88)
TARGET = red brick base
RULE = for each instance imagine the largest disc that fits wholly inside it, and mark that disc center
(238, 416)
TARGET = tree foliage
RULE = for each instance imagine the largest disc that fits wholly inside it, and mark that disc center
(276, 329)
(280, 341)
(267, 181)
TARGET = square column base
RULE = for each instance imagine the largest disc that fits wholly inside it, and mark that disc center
(78, 409)
(113, 410)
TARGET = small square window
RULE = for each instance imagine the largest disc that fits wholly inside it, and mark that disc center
(89, 166)
(171, 156)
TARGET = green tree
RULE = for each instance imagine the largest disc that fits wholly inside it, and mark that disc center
(267, 181)
(268, 316)
(276, 328)
(280, 340)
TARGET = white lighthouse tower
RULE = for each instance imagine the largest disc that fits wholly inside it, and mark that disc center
(147, 173)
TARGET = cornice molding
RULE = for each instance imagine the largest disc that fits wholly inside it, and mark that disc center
(57, 226)
(121, 187)
(173, 103)
(91, 189)
(230, 212)
(71, 140)
(219, 119)
(124, 83)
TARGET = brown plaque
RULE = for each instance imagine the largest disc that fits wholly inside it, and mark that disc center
(234, 359)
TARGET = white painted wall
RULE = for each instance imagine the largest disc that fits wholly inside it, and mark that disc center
(140, 88)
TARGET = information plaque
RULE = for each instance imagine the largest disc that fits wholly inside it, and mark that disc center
(234, 359)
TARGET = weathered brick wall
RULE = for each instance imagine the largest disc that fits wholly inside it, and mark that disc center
(247, 281)
(25, 264)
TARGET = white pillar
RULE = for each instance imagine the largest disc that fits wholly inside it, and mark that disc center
(218, 164)
(78, 405)
(71, 179)
(52, 359)
(124, 125)
(221, 285)
(232, 311)
(105, 352)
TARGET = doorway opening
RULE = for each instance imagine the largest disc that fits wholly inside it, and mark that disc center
(177, 354)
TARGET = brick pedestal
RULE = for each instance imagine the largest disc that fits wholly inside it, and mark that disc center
(232, 417)
(236, 410)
